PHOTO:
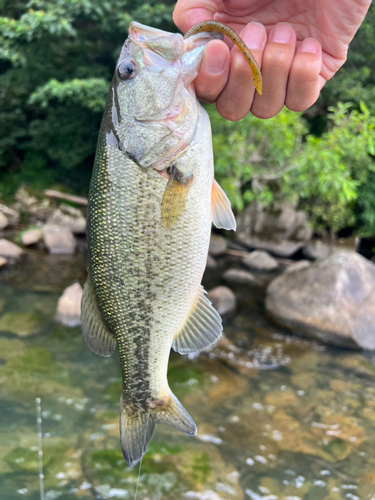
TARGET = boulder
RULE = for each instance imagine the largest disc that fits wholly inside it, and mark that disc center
(3, 262)
(59, 239)
(278, 228)
(69, 217)
(332, 300)
(9, 249)
(317, 249)
(223, 299)
(260, 261)
(12, 215)
(4, 222)
(297, 266)
(32, 236)
(218, 245)
(69, 306)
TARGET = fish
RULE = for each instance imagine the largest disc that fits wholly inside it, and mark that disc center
(152, 200)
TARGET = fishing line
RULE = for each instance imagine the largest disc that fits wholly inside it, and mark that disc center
(40, 451)
(140, 463)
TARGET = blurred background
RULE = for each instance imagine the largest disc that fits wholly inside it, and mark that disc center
(285, 402)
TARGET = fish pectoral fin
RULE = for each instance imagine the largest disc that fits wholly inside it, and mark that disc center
(202, 328)
(222, 215)
(97, 336)
(174, 198)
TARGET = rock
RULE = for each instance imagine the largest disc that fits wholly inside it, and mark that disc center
(297, 266)
(12, 215)
(260, 261)
(317, 249)
(240, 277)
(331, 300)
(278, 228)
(58, 239)
(218, 245)
(70, 217)
(3, 262)
(9, 249)
(4, 222)
(223, 299)
(69, 306)
(21, 324)
(32, 236)
(38, 210)
(373, 258)
(211, 262)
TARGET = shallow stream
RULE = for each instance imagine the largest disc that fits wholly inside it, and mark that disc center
(279, 417)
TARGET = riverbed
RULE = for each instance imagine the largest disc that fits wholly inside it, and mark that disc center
(279, 417)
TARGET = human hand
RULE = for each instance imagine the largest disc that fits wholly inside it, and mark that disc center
(298, 44)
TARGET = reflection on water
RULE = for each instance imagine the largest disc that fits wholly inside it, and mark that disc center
(279, 418)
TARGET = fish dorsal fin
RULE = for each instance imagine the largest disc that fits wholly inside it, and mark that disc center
(202, 328)
(222, 215)
(97, 336)
(174, 198)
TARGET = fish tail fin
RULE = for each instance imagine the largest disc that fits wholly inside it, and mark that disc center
(173, 413)
(137, 426)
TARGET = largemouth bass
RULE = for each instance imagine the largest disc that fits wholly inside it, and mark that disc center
(151, 204)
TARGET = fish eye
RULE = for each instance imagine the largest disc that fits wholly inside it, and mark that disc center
(126, 70)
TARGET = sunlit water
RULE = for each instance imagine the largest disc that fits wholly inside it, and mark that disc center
(279, 418)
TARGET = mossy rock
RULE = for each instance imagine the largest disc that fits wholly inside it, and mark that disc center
(20, 323)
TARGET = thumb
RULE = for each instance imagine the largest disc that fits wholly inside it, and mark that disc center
(189, 12)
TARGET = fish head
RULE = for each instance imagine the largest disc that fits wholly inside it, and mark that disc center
(152, 102)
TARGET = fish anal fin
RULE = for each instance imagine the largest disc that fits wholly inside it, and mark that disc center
(174, 198)
(202, 328)
(222, 215)
(97, 336)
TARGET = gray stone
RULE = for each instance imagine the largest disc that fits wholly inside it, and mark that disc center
(297, 266)
(10, 250)
(12, 215)
(59, 239)
(211, 262)
(4, 222)
(241, 277)
(3, 262)
(218, 245)
(69, 306)
(278, 228)
(317, 249)
(70, 217)
(223, 299)
(332, 300)
(32, 236)
(260, 261)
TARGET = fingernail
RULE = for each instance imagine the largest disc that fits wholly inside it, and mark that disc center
(309, 45)
(215, 60)
(282, 33)
(254, 36)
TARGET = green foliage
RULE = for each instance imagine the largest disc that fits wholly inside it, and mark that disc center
(328, 176)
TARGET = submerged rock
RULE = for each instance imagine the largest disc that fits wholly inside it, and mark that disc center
(69, 306)
(59, 240)
(218, 245)
(223, 299)
(10, 250)
(332, 300)
(260, 261)
(211, 262)
(241, 277)
(21, 324)
(32, 236)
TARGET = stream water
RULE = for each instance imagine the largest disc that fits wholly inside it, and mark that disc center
(279, 417)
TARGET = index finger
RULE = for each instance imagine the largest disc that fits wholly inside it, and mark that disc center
(189, 12)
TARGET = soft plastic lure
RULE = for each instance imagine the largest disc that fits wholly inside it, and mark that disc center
(232, 35)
